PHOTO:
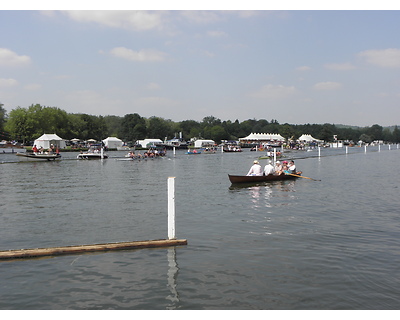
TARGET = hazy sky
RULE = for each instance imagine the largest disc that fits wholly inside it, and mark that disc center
(293, 66)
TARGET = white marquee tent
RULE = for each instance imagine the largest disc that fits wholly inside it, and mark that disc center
(308, 138)
(46, 140)
(146, 143)
(202, 143)
(113, 142)
(261, 137)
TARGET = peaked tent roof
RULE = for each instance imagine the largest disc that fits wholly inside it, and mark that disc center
(263, 137)
(112, 139)
(307, 137)
(49, 137)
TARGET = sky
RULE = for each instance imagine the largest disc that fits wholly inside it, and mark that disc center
(294, 66)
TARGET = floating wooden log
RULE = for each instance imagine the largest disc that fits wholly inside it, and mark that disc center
(41, 252)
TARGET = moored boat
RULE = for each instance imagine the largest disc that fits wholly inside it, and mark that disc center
(271, 177)
(92, 154)
(232, 148)
(194, 151)
(208, 150)
(27, 156)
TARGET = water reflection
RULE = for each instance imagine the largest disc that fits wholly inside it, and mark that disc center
(262, 194)
(172, 276)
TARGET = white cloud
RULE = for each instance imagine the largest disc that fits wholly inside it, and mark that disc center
(92, 102)
(8, 82)
(303, 68)
(33, 87)
(10, 58)
(142, 55)
(156, 102)
(271, 91)
(340, 66)
(123, 19)
(388, 58)
(327, 86)
(216, 34)
(201, 16)
(153, 86)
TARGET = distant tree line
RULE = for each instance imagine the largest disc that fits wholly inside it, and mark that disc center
(27, 124)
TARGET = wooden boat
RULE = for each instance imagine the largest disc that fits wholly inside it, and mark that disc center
(252, 179)
(38, 156)
(209, 150)
(232, 149)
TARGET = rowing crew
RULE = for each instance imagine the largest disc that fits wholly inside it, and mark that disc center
(278, 169)
(151, 153)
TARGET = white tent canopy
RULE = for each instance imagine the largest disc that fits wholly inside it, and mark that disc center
(201, 143)
(46, 140)
(308, 138)
(149, 142)
(112, 142)
(259, 137)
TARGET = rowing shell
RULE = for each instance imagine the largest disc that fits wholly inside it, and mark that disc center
(271, 177)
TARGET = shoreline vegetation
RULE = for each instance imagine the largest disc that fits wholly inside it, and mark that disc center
(26, 124)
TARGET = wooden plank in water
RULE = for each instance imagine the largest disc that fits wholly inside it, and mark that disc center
(41, 252)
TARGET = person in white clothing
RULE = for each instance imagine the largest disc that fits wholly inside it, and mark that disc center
(255, 170)
(269, 168)
(278, 168)
(291, 167)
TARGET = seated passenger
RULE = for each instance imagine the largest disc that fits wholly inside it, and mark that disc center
(269, 168)
(292, 167)
(278, 168)
(255, 169)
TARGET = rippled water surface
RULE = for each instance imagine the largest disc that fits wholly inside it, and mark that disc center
(301, 244)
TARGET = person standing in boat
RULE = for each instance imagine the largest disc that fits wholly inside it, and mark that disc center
(256, 169)
(269, 168)
(35, 149)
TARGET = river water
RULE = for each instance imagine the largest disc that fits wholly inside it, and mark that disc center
(301, 244)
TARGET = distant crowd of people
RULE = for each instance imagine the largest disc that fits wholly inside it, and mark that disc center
(151, 153)
(279, 168)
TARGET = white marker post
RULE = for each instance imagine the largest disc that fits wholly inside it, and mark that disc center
(171, 208)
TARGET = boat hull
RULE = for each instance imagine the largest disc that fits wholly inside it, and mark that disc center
(252, 179)
(91, 156)
(38, 157)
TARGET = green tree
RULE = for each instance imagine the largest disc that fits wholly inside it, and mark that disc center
(375, 132)
(133, 127)
(327, 132)
(20, 125)
(365, 138)
(3, 118)
(190, 129)
(158, 128)
(114, 125)
(396, 135)
(218, 133)
(210, 121)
